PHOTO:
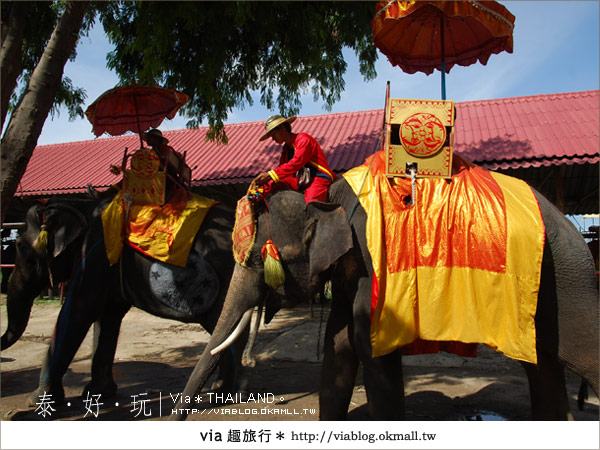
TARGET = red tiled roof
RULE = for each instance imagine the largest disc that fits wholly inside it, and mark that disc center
(539, 130)
(517, 132)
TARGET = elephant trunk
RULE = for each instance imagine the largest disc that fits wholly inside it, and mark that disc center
(204, 368)
(243, 294)
(248, 358)
(19, 300)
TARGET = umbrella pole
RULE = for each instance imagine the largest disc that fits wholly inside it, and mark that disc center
(137, 117)
(443, 58)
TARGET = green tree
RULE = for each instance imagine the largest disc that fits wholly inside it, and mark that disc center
(37, 40)
(220, 52)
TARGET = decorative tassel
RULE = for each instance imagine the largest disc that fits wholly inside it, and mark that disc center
(254, 195)
(42, 240)
(274, 274)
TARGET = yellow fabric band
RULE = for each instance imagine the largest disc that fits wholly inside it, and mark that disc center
(322, 169)
(274, 175)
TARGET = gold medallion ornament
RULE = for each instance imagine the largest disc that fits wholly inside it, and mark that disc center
(419, 137)
(422, 134)
(144, 180)
(145, 163)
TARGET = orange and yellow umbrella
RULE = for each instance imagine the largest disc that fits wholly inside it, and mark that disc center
(421, 36)
(133, 108)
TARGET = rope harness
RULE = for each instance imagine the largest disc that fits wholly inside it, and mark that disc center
(274, 273)
(41, 242)
(128, 200)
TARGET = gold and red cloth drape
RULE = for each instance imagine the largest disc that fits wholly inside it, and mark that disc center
(461, 265)
(164, 232)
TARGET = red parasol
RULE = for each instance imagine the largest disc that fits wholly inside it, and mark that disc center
(133, 108)
(420, 36)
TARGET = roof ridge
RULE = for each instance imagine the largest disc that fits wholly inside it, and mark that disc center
(526, 98)
(367, 112)
(536, 157)
(345, 113)
(311, 116)
(97, 139)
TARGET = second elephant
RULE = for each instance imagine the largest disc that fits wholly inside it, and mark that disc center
(314, 236)
(103, 294)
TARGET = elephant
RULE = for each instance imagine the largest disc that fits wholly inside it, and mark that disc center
(102, 294)
(320, 241)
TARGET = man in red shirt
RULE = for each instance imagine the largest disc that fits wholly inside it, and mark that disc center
(299, 150)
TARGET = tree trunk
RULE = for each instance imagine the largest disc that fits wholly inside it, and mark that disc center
(11, 55)
(28, 119)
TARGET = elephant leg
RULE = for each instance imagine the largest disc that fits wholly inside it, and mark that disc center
(549, 400)
(84, 304)
(340, 365)
(108, 328)
(384, 384)
(70, 330)
(383, 376)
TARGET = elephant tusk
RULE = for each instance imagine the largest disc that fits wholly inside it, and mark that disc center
(235, 334)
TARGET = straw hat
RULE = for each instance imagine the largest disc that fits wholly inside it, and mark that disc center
(272, 123)
(154, 132)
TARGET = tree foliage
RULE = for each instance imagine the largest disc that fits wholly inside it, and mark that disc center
(41, 19)
(220, 53)
(42, 87)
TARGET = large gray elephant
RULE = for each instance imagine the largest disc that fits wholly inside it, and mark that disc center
(312, 237)
(102, 294)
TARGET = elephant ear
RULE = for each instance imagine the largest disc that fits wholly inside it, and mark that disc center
(33, 219)
(272, 305)
(67, 224)
(327, 235)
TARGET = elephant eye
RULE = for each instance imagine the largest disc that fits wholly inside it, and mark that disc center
(21, 245)
(290, 252)
(24, 249)
(255, 260)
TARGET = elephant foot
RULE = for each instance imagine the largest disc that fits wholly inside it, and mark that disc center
(226, 389)
(243, 384)
(45, 394)
(217, 385)
(222, 387)
(105, 388)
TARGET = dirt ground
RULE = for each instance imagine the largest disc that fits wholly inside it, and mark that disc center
(155, 357)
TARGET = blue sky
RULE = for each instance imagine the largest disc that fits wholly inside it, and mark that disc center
(556, 49)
